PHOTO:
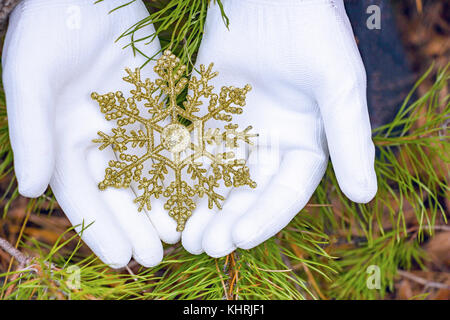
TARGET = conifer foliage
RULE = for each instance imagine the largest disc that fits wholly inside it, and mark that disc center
(333, 249)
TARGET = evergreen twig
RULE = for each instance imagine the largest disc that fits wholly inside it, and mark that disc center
(9, 248)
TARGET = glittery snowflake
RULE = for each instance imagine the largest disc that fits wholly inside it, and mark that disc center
(158, 141)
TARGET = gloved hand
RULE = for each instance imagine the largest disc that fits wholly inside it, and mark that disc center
(56, 53)
(308, 97)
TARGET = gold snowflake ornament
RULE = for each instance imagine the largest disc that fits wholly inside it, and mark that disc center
(162, 143)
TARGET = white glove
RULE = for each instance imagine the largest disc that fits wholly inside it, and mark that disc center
(309, 95)
(56, 53)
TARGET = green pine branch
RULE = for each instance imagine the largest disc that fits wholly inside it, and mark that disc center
(324, 253)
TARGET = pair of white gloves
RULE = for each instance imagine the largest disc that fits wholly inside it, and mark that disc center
(308, 101)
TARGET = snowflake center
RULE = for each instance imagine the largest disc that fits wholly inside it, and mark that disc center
(176, 138)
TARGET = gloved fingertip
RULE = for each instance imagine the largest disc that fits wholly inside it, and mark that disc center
(244, 234)
(31, 191)
(193, 246)
(170, 237)
(165, 226)
(217, 242)
(116, 264)
(215, 252)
